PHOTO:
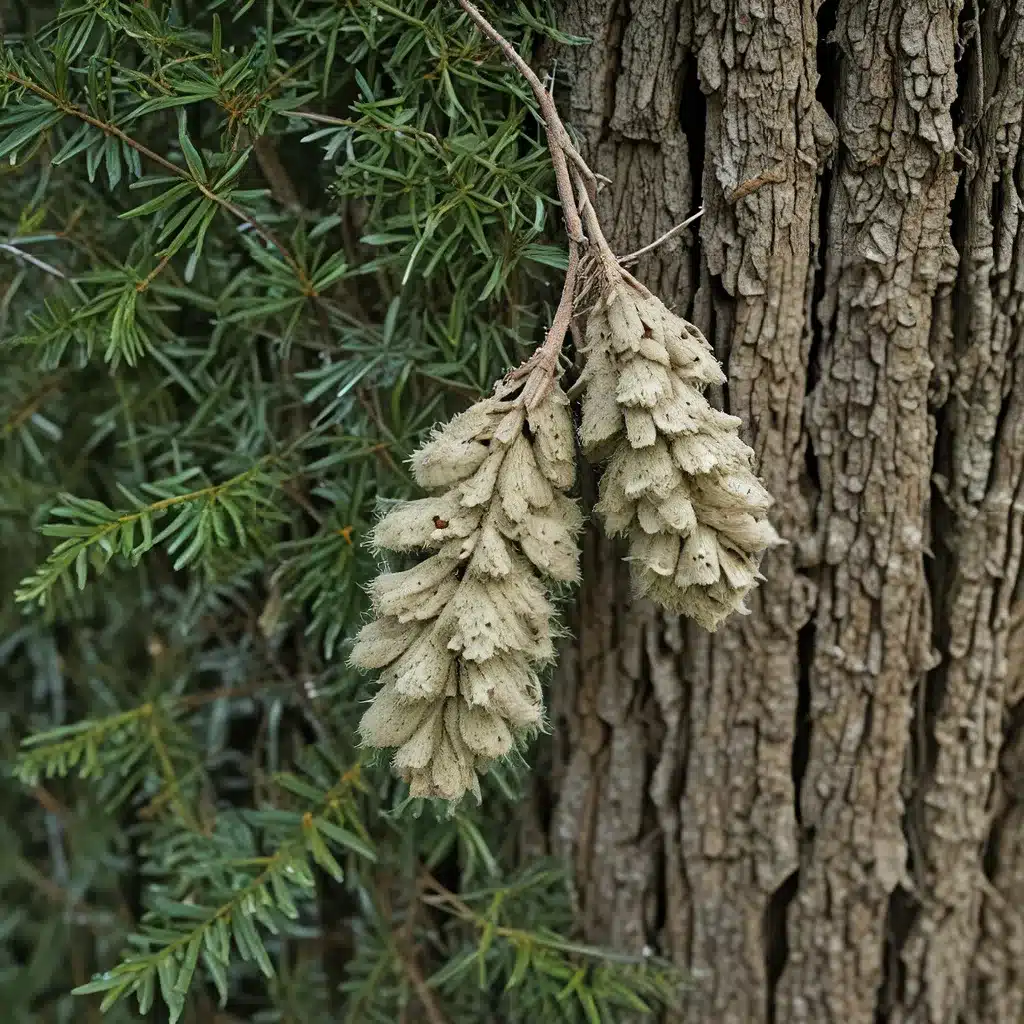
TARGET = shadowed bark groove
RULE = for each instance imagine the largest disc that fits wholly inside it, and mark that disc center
(995, 984)
(887, 890)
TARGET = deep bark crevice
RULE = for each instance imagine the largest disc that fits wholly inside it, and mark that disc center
(613, 63)
(900, 916)
(802, 725)
(825, 90)
(825, 94)
(1010, 784)
(776, 940)
(990, 854)
(818, 327)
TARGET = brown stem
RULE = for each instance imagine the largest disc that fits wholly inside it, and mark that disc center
(281, 186)
(32, 404)
(559, 143)
(579, 212)
(195, 700)
(604, 254)
(541, 368)
(445, 895)
(405, 948)
(543, 365)
(50, 803)
(614, 271)
(407, 957)
(154, 273)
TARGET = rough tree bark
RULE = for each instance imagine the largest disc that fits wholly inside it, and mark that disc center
(820, 809)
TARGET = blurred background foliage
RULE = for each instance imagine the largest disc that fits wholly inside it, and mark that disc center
(249, 253)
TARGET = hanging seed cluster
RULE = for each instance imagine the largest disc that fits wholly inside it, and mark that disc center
(459, 637)
(679, 482)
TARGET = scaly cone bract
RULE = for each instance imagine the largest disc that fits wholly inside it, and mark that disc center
(679, 482)
(459, 637)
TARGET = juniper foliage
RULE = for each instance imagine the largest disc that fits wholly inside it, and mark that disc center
(249, 255)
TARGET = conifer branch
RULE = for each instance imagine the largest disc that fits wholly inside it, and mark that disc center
(32, 403)
(96, 533)
(172, 785)
(540, 952)
(209, 932)
(111, 130)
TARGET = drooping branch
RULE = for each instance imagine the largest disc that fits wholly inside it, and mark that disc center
(577, 186)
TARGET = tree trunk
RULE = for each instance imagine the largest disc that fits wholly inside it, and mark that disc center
(819, 810)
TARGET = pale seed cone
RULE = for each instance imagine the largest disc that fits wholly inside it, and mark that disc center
(458, 638)
(679, 482)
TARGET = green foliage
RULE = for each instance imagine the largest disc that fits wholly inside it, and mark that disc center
(249, 254)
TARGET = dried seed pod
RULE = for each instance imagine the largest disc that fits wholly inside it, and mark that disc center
(459, 636)
(424, 524)
(484, 731)
(381, 641)
(417, 593)
(508, 684)
(548, 539)
(391, 720)
(679, 482)
(436, 762)
(456, 448)
(423, 672)
(521, 484)
(554, 434)
(602, 420)
(641, 429)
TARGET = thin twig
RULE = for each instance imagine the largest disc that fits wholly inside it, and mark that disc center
(33, 403)
(90, 916)
(577, 189)
(49, 802)
(441, 896)
(282, 188)
(195, 700)
(542, 367)
(403, 946)
(34, 260)
(601, 251)
(671, 233)
(345, 122)
(614, 271)
(407, 957)
(563, 151)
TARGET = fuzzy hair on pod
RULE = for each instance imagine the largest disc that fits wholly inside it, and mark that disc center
(679, 482)
(458, 638)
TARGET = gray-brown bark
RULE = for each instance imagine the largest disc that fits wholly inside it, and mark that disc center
(818, 809)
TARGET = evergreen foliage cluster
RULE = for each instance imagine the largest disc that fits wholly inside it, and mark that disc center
(249, 254)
